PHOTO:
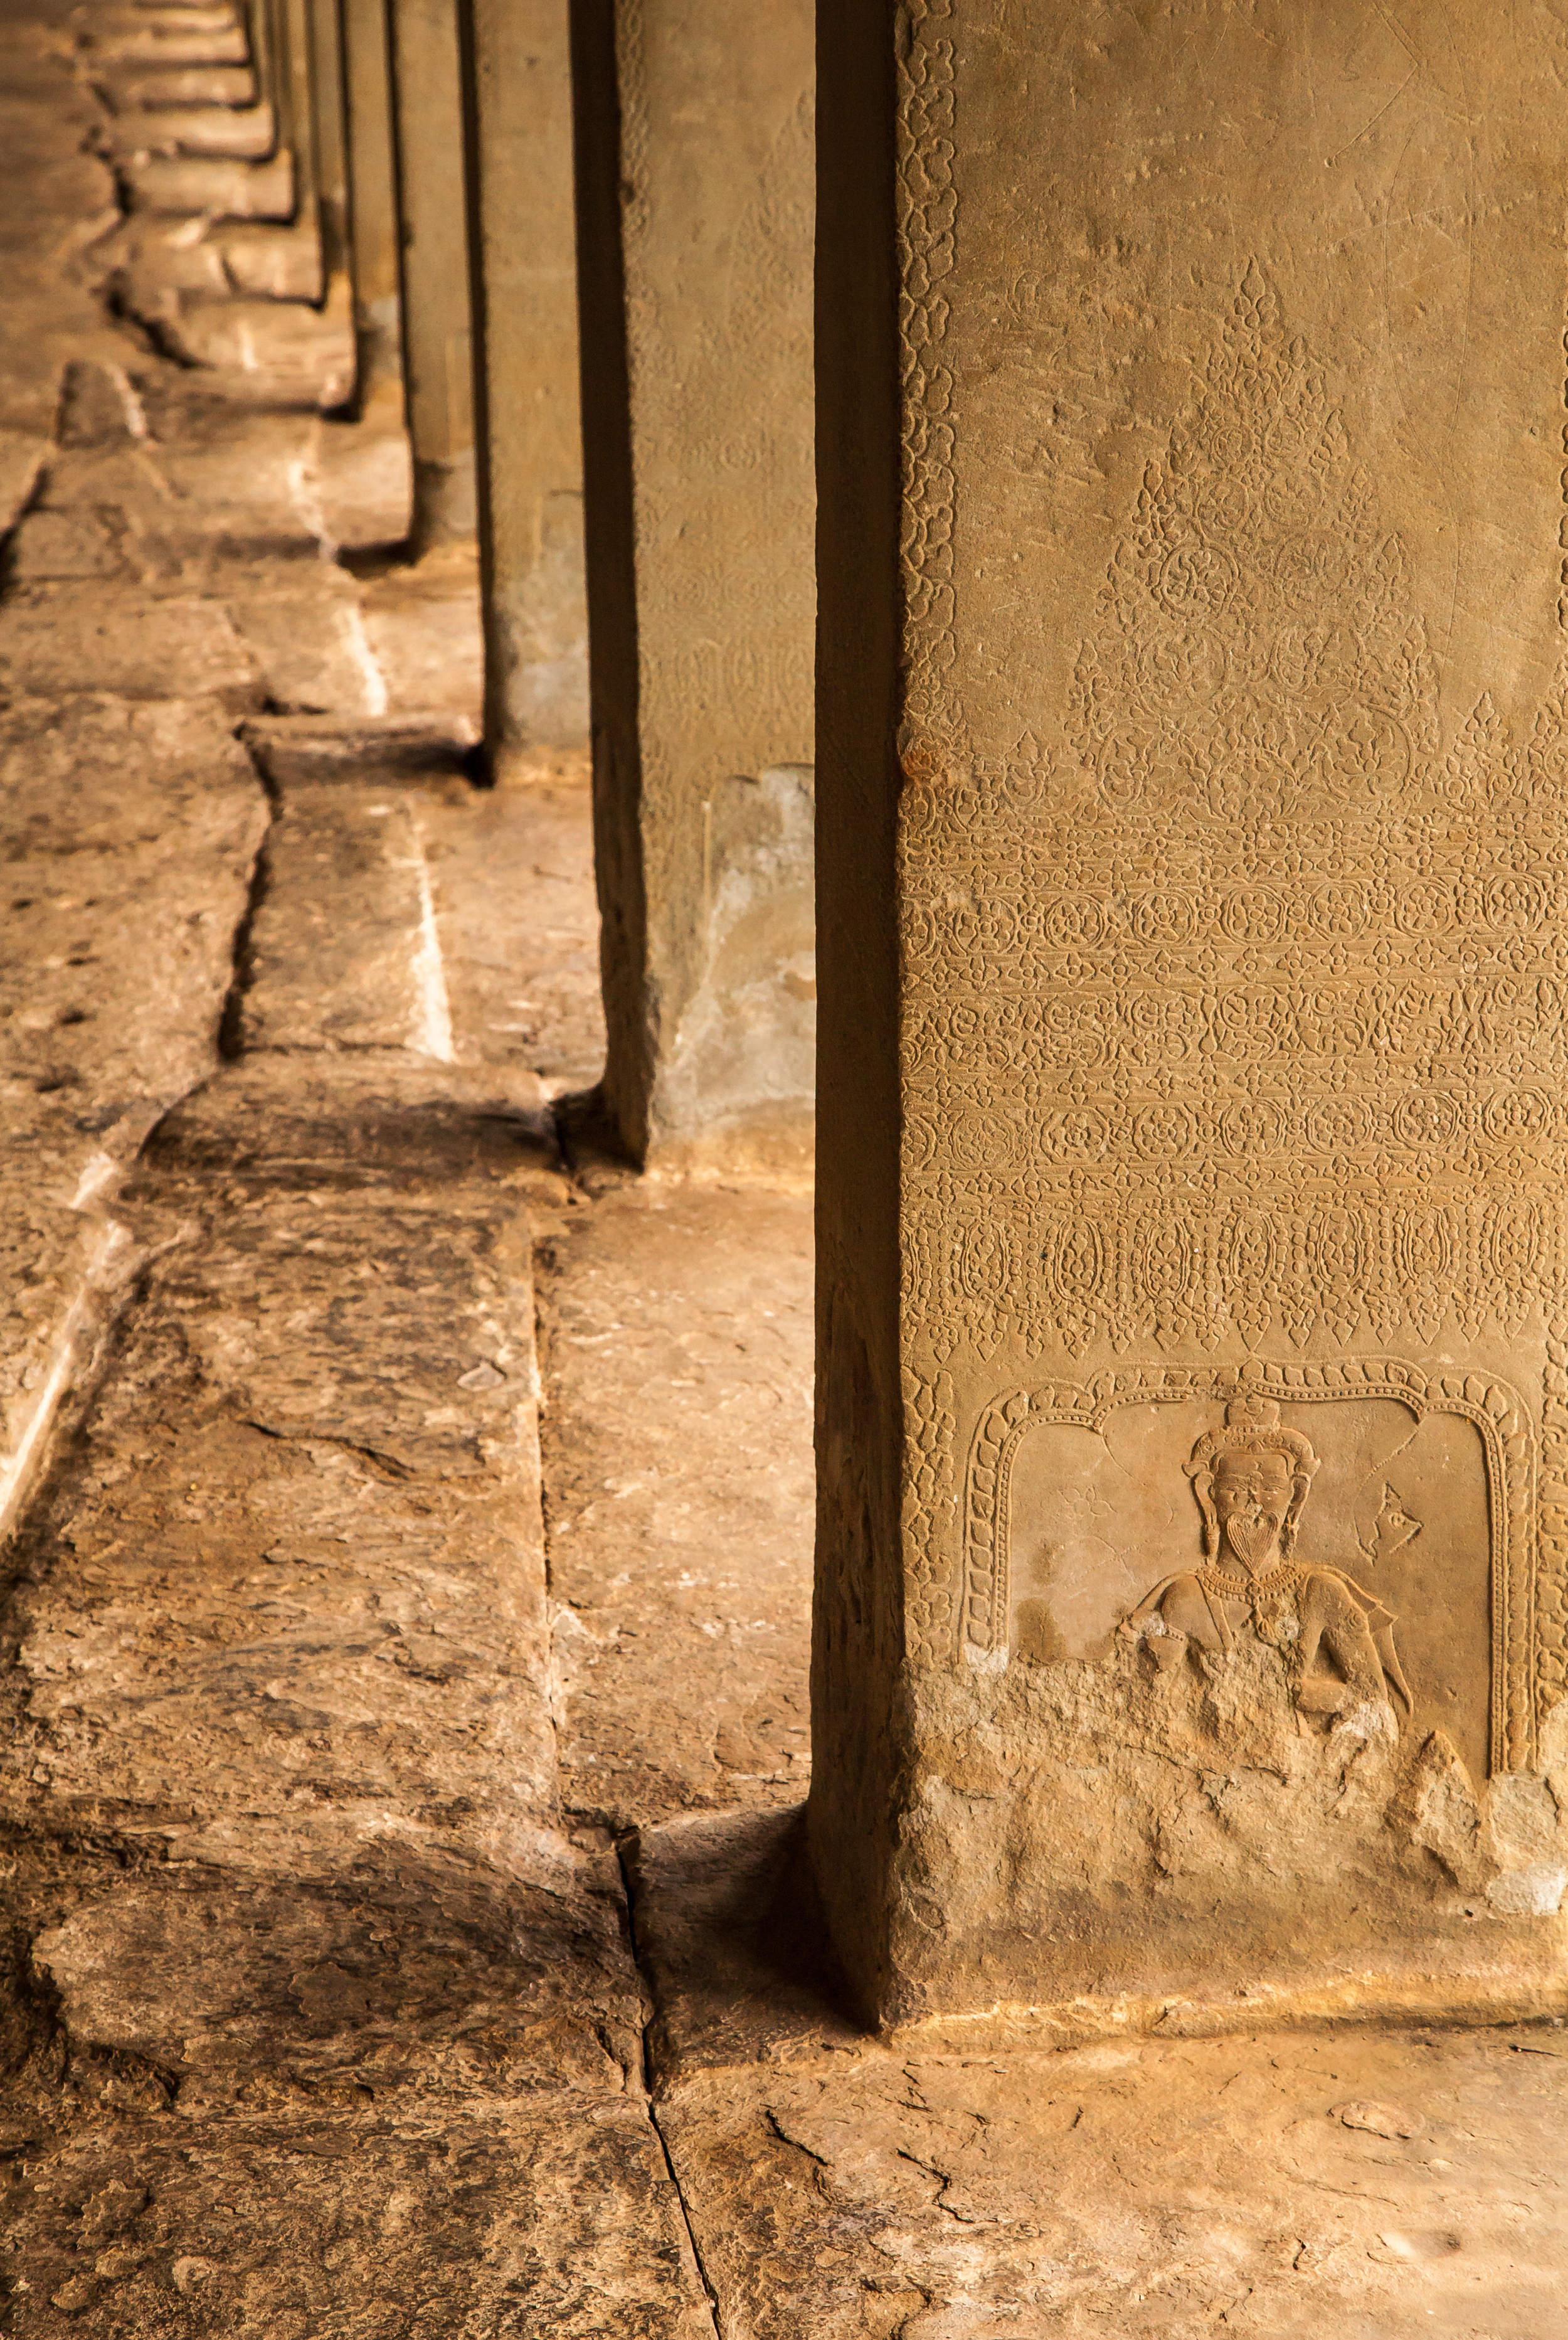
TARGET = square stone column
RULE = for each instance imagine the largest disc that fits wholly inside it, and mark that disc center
(372, 200)
(1193, 823)
(432, 209)
(694, 164)
(328, 130)
(528, 432)
(290, 43)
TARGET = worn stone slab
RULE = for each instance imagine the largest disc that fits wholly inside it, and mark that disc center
(128, 836)
(1279, 2186)
(120, 516)
(280, 352)
(364, 482)
(322, 1378)
(344, 952)
(525, 989)
(128, 833)
(303, 750)
(414, 1971)
(382, 1120)
(676, 1342)
(212, 494)
(125, 644)
(275, 263)
(242, 134)
(187, 85)
(733, 1948)
(522, 991)
(308, 637)
(147, 265)
(377, 929)
(65, 1263)
(295, 2215)
(280, 1615)
(58, 196)
(160, 46)
(214, 187)
(422, 620)
(155, 267)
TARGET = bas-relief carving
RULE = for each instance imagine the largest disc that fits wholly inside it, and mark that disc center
(1405, 1580)
(1252, 1478)
(1242, 1019)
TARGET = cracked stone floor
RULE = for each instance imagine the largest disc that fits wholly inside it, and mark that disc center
(404, 1613)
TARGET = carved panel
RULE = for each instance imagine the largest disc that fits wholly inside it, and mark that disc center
(1474, 1595)
(1237, 1014)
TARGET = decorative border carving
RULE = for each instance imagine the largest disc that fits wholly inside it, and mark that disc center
(1489, 1405)
(927, 215)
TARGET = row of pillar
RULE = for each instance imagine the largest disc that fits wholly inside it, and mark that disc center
(1186, 759)
(564, 215)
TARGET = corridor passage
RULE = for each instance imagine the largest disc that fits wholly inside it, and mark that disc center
(408, 1508)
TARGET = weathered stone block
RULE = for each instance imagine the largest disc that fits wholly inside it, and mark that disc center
(208, 184)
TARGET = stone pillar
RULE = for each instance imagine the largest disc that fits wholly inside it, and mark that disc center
(694, 159)
(372, 200)
(1193, 1268)
(290, 49)
(327, 130)
(529, 439)
(438, 361)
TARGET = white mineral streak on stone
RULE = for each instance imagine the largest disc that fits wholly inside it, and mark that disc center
(18, 1469)
(305, 495)
(432, 1032)
(100, 1172)
(351, 625)
(1533, 1892)
(130, 405)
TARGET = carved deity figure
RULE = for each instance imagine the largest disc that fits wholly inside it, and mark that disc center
(1251, 1480)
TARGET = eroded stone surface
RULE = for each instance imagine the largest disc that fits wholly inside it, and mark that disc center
(132, 645)
(318, 2008)
(676, 1327)
(423, 622)
(128, 835)
(321, 1455)
(1279, 2185)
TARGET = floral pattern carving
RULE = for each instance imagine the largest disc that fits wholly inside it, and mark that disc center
(1239, 1016)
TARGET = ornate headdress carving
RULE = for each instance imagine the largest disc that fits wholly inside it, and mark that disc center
(1252, 1427)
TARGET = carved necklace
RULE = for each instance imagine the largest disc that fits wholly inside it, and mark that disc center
(1282, 1578)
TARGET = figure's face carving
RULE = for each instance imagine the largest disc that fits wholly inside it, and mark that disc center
(1251, 1499)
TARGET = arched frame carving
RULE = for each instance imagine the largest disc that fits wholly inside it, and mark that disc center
(1493, 1409)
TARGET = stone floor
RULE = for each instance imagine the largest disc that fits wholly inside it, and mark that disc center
(406, 1593)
